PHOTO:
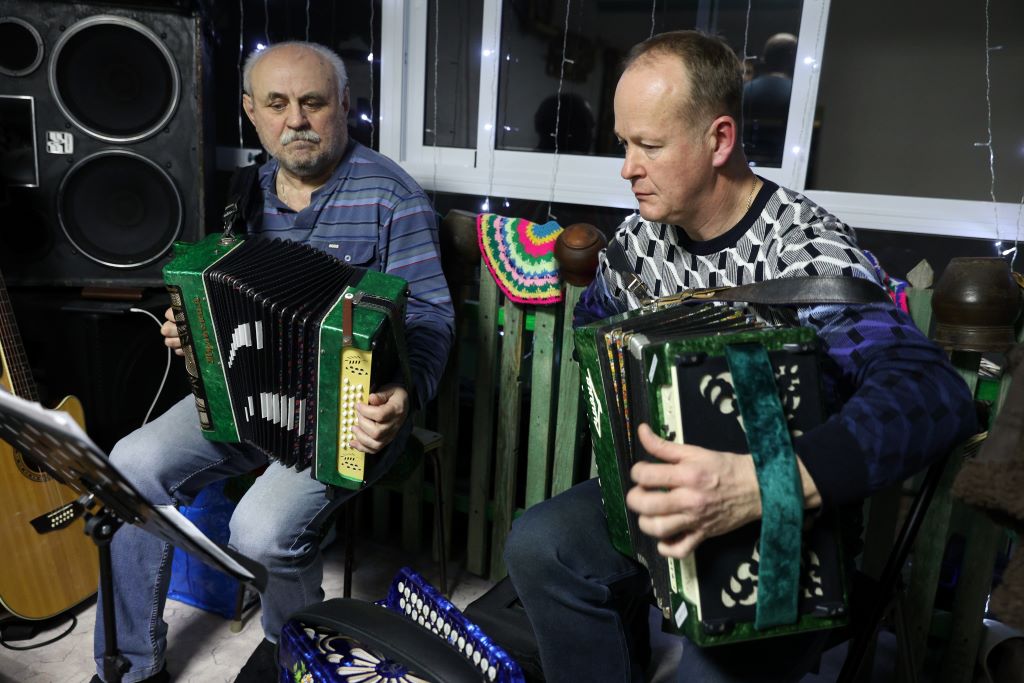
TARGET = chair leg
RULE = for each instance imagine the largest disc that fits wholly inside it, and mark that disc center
(349, 515)
(236, 621)
(904, 653)
(888, 583)
(435, 461)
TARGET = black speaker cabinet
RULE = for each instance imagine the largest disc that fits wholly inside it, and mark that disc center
(103, 161)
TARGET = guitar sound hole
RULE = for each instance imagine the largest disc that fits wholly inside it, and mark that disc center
(29, 468)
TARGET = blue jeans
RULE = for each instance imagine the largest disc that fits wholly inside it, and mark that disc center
(277, 523)
(575, 587)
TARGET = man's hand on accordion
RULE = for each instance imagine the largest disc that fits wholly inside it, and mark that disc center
(380, 418)
(696, 493)
(169, 330)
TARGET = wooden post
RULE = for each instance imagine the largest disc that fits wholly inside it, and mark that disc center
(507, 452)
(483, 426)
(576, 250)
(542, 409)
(460, 254)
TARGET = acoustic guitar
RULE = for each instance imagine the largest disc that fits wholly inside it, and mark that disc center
(41, 575)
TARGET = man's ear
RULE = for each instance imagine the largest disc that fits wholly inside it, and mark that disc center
(250, 107)
(345, 104)
(724, 138)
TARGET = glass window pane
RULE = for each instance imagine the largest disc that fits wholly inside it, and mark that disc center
(901, 112)
(599, 35)
(452, 99)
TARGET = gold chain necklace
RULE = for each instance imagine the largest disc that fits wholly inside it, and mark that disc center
(750, 199)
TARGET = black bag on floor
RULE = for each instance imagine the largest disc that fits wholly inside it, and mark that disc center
(500, 614)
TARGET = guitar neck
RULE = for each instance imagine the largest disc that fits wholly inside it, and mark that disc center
(12, 352)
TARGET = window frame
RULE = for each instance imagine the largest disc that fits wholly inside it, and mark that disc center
(588, 180)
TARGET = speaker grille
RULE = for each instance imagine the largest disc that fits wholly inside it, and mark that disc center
(21, 48)
(114, 79)
(119, 209)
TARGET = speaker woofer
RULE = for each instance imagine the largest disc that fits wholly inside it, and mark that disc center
(21, 47)
(114, 79)
(119, 209)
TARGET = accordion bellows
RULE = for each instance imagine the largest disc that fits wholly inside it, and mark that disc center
(281, 341)
(714, 377)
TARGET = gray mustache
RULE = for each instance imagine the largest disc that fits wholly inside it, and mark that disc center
(293, 135)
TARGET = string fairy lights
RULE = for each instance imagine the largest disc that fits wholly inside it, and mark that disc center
(746, 32)
(558, 105)
(437, 50)
(988, 142)
(241, 55)
(495, 54)
(369, 58)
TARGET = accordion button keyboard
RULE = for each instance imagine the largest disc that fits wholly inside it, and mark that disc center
(354, 388)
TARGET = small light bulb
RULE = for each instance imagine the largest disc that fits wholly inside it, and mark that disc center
(260, 46)
(369, 57)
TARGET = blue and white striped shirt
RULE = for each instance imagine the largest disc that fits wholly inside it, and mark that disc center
(372, 214)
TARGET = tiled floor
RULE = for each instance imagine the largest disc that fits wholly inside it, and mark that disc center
(201, 646)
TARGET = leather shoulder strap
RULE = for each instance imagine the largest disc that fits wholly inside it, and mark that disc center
(800, 291)
(245, 199)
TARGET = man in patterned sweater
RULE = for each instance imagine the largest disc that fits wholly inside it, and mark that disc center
(705, 220)
(326, 190)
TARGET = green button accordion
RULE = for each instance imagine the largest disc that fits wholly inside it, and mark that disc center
(714, 377)
(281, 340)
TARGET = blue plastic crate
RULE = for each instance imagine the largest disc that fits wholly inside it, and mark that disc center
(192, 581)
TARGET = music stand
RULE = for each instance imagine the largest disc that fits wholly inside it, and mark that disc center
(56, 443)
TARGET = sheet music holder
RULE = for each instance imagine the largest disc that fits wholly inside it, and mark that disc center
(55, 442)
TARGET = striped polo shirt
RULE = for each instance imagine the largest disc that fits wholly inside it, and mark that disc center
(372, 214)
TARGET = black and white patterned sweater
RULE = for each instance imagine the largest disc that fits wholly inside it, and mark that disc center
(898, 402)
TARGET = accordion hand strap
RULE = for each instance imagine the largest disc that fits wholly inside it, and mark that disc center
(391, 310)
(778, 582)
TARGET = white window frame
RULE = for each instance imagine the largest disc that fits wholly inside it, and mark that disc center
(587, 180)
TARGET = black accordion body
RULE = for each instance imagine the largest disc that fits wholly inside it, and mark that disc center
(281, 341)
(712, 376)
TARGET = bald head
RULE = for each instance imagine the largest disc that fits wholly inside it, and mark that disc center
(714, 74)
(780, 53)
(329, 58)
(297, 101)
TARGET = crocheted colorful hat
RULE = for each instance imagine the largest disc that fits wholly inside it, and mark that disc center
(521, 256)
